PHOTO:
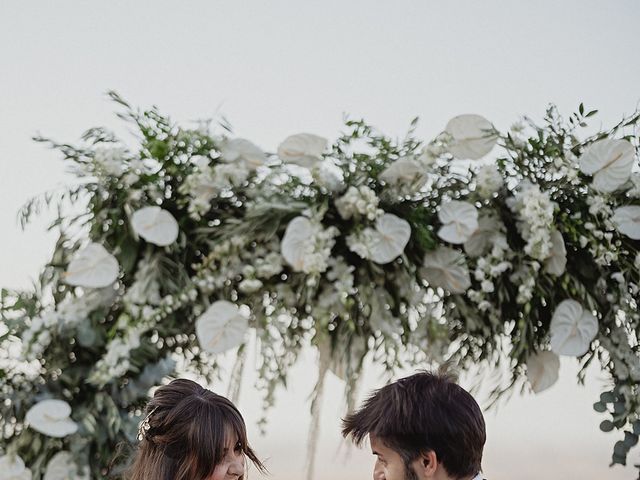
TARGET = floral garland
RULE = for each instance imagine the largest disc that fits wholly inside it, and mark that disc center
(410, 252)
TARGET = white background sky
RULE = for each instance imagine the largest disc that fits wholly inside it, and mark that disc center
(280, 67)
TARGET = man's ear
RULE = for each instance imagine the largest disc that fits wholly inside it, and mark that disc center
(426, 465)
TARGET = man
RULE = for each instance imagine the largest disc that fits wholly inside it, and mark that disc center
(422, 427)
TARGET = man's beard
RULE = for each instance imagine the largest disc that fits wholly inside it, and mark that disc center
(409, 472)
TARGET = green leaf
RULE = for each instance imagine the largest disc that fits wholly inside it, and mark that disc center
(158, 149)
(618, 459)
(599, 407)
(620, 449)
(606, 426)
(619, 407)
(630, 439)
(607, 397)
(128, 254)
(36, 443)
(90, 424)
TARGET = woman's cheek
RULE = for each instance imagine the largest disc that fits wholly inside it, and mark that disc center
(219, 472)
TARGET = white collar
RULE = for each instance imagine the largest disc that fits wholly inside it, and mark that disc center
(478, 477)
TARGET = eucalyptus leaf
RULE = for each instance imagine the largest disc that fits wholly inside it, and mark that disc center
(606, 426)
(599, 407)
(630, 439)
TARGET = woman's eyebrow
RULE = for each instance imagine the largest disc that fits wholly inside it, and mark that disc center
(226, 449)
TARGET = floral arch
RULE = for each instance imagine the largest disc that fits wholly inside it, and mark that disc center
(501, 249)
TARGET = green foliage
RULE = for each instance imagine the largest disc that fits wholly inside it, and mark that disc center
(108, 347)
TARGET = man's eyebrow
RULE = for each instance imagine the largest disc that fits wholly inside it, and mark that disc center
(376, 453)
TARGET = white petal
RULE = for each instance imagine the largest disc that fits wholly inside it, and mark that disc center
(155, 225)
(303, 149)
(403, 170)
(240, 149)
(63, 467)
(328, 175)
(459, 221)
(572, 329)
(12, 468)
(295, 242)
(480, 241)
(221, 327)
(92, 267)
(446, 268)
(472, 136)
(542, 370)
(557, 262)
(627, 221)
(610, 162)
(201, 161)
(51, 417)
(393, 236)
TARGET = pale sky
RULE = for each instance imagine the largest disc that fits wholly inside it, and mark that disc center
(280, 67)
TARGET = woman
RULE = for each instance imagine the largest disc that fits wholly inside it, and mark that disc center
(190, 433)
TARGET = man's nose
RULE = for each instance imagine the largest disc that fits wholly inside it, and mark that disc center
(378, 473)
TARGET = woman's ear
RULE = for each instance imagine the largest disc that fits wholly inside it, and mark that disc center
(426, 465)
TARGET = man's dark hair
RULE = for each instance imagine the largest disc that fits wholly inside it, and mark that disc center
(420, 413)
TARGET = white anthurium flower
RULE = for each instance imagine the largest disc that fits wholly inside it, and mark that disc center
(392, 234)
(472, 136)
(634, 190)
(63, 467)
(446, 268)
(92, 267)
(542, 370)
(489, 228)
(557, 262)
(155, 225)
(627, 221)
(609, 161)
(297, 242)
(242, 150)
(303, 149)
(222, 326)
(13, 468)
(51, 417)
(572, 329)
(404, 170)
(459, 221)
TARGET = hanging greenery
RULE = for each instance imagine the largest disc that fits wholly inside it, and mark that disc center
(505, 250)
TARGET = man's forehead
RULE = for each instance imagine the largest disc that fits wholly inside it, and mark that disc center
(375, 442)
(378, 445)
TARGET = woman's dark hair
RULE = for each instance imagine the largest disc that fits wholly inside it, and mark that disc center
(421, 413)
(185, 433)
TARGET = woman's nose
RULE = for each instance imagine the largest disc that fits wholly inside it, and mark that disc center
(237, 466)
